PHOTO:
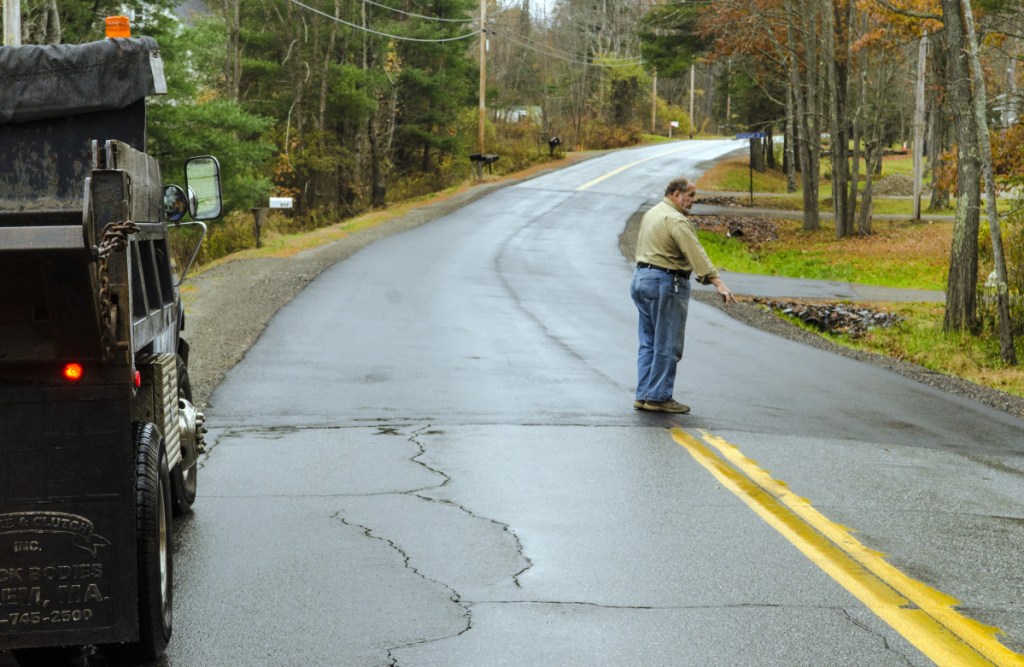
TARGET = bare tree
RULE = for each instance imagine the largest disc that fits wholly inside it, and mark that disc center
(233, 62)
(803, 21)
(961, 289)
(41, 25)
(1009, 355)
(586, 31)
(939, 124)
(838, 47)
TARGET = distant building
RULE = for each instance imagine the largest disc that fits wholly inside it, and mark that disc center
(518, 114)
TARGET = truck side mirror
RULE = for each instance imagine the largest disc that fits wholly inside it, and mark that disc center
(175, 203)
(202, 182)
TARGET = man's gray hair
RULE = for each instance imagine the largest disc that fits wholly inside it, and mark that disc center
(678, 185)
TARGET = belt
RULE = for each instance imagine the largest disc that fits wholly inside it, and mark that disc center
(672, 272)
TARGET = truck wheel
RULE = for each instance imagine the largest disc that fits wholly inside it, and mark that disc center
(184, 479)
(154, 534)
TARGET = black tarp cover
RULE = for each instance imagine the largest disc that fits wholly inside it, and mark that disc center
(51, 80)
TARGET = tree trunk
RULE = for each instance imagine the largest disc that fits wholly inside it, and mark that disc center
(939, 126)
(378, 186)
(328, 59)
(805, 93)
(838, 69)
(918, 124)
(425, 158)
(233, 62)
(961, 291)
(859, 123)
(1009, 355)
(789, 161)
(375, 152)
(1012, 107)
(872, 153)
(815, 89)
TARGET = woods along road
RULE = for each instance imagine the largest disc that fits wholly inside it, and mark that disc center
(429, 457)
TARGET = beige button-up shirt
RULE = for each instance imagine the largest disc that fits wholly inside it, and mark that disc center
(667, 239)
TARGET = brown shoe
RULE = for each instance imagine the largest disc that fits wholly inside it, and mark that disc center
(639, 405)
(671, 405)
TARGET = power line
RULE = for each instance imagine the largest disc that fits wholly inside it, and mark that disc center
(385, 34)
(419, 16)
(561, 55)
(566, 31)
(539, 45)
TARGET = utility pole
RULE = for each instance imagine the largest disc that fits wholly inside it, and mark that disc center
(728, 94)
(691, 99)
(12, 22)
(483, 76)
(654, 104)
(922, 55)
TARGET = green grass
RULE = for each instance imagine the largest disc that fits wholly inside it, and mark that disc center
(734, 175)
(920, 339)
(739, 180)
(653, 138)
(900, 253)
(728, 253)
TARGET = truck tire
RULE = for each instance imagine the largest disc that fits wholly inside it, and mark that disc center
(154, 534)
(184, 479)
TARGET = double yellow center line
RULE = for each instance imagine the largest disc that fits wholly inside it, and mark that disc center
(924, 616)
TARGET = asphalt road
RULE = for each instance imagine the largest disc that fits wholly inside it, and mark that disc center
(430, 458)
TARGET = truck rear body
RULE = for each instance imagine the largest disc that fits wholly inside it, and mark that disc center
(90, 348)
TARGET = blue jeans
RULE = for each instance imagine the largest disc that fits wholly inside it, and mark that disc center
(662, 301)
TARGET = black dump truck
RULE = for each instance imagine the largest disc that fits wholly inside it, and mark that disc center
(99, 438)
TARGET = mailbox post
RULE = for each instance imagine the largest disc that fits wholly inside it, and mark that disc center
(259, 214)
(480, 159)
(753, 136)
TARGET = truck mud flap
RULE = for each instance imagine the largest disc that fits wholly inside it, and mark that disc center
(67, 518)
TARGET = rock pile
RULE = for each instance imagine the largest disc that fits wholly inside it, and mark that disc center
(834, 318)
(723, 200)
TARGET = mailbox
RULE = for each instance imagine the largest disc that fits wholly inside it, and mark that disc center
(480, 159)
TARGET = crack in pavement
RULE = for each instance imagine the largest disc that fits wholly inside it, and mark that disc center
(416, 438)
(406, 558)
(505, 528)
(407, 563)
(871, 631)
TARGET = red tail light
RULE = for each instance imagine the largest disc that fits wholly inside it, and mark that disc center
(73, 372)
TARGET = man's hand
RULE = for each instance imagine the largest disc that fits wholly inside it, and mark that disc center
(723, 291)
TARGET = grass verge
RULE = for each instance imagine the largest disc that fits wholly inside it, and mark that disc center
(904, 254)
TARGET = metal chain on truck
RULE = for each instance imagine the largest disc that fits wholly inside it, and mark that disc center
(115, 239)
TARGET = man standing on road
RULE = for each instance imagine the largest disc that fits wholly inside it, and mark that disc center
(667, 252)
